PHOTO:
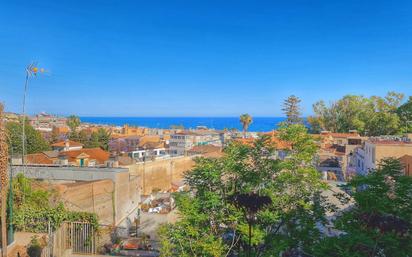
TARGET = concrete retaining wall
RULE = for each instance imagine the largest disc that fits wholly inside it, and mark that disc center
(160, 174)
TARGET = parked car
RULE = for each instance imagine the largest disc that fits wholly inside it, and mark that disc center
(155, 209)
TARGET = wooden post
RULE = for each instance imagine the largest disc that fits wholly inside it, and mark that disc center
(4, 158)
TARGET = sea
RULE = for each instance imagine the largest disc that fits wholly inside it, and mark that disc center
(259, 124)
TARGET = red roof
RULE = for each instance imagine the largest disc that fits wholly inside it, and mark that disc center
(38, 158)
(274, 139)
(280, 144)
(93, 153)
(63, 143)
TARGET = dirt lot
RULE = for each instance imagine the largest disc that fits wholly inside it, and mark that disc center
(150, 222)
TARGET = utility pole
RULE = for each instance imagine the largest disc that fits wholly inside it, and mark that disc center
(31, 70)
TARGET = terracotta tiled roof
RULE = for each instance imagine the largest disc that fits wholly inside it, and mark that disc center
(274, 139)
(279, 144)
(94, 153)
(38, 158)
(63, 143)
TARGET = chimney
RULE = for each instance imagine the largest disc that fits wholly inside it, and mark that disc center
(66, 145)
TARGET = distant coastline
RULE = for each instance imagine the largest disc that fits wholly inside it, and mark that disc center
(260, 124)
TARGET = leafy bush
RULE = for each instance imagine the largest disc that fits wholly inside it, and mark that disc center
(36, 220)
(33, 208)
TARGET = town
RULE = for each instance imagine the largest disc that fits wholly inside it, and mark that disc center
(126, 177)
(205, 128)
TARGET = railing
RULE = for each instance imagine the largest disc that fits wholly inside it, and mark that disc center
(82, 240)
(71, 237)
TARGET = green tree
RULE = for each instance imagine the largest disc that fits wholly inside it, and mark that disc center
(380, 221)
(371, 116)
(100, 138)
(73, 122)
(292, 110)
(93, 141)
(83, 137)
(246, 120)
(34, 140)
(214, 223)
(405, 115)
(103, 138)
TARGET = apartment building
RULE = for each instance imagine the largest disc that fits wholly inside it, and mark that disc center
(377, 148)
(183, 141)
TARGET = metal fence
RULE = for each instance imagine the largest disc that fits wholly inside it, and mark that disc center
(74, 237)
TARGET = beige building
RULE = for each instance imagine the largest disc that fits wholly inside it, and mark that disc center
(376, 149)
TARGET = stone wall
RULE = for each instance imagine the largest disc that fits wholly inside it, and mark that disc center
(111, 201)
(160, 174)
(95, 196)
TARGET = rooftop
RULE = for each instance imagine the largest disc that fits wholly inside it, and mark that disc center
(390, 140)
(197, 132)
(63, 143)
(93, 153)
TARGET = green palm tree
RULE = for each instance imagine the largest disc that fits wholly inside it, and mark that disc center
(73, 122)
(246, 120)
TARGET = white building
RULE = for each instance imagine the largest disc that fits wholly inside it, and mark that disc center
(376, 149)
(149, 150)
(181, 142)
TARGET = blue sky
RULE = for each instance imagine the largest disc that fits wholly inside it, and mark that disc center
(201, 58)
